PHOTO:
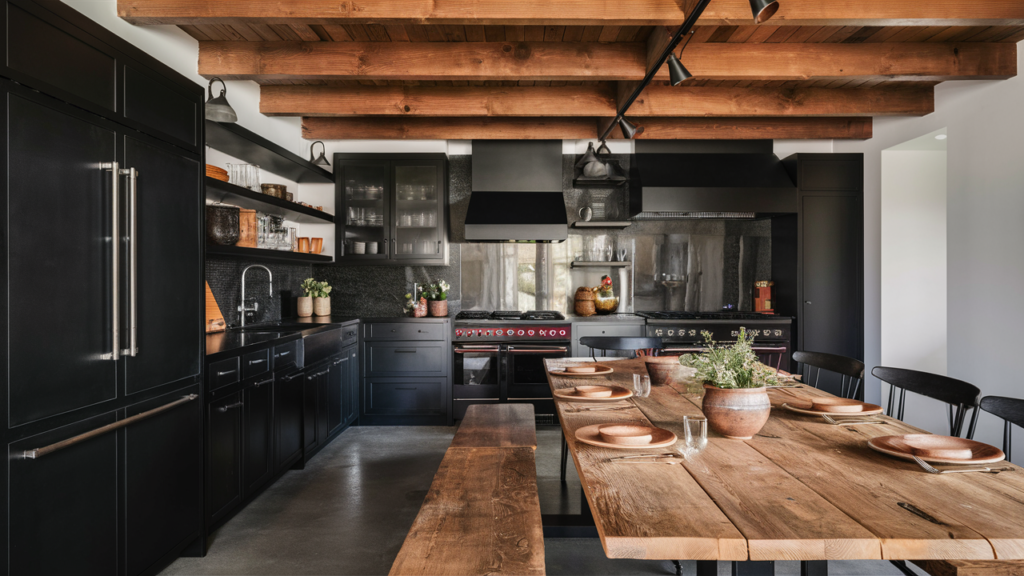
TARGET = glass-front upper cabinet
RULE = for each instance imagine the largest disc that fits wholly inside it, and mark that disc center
(394, 209)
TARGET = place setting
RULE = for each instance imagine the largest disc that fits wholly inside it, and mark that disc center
(929, 449)
(639, 436)
(836, 411)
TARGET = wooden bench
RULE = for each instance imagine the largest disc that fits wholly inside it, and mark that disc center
(482, 512)
(971, 567)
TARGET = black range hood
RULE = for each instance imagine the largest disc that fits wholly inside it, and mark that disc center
(517, 192)
(667, 186)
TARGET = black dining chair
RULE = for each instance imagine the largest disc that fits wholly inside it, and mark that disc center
(1011, 410)
(850, 370)
(604, 344)
(960, 396)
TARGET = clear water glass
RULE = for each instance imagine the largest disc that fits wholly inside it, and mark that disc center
(696, 429)
(641, 385)
(622, 254)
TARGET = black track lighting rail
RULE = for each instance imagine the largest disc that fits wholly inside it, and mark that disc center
(684, 29)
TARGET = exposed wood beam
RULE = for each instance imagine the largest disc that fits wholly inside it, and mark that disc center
(753, 128)
(563, 101)
(571, 12)
(695, 101)
(448, 128)
(545, 61)
(592, 101)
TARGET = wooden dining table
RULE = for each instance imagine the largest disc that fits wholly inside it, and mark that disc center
(801, 489)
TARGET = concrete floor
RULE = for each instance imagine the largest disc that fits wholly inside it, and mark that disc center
(348, 513)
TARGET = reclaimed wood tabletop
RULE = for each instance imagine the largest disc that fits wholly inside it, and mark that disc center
(801, 489)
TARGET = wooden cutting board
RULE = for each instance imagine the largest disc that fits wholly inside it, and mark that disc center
(246, 228)
(214, 319)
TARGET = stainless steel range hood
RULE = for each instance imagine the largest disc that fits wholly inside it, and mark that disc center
(668, 186)
(517, 192)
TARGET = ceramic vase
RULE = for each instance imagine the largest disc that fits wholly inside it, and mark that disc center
(736, 413)
(322, 306)
(304, 307)
(439, 308)
(663, 370)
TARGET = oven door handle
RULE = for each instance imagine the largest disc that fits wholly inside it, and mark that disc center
(475, 350)
(514, 350)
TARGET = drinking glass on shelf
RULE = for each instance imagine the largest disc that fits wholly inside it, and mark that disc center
(371, 216)
(641, 385)
(608, 253)
(622, 254)
(695, 429)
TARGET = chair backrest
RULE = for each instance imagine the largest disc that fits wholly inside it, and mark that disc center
(1011, 410)
(850, 369)
(617, 343)
(959, 395)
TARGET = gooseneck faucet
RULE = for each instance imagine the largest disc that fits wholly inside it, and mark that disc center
(255, 304)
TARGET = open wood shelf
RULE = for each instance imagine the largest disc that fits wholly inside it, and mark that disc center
(263, 254)
(250, 147)
(220, 191)
(586, 264)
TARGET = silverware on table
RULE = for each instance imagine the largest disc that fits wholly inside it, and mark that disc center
(600, 409)
(658, 461)
(849, 422)
(933, 470)
(632, 456)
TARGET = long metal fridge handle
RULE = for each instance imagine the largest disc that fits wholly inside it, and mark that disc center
(133, 263)
(115, 242)
(40, 452)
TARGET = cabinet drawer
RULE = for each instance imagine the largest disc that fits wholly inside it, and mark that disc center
(349, 335)
(405, 331)
(255, 363)
(620, 331)
(286, 354)
(223, 373)
(406, 358)
(406, 396)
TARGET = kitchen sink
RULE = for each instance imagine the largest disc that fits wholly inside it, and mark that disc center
(280, 327)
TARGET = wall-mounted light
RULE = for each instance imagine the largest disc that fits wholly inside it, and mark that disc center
(763, 10)
(677, 73)
(218, 109)
(321, 160)
(630, 130)
(603, 149)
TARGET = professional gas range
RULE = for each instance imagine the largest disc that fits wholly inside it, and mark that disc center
(682, 332)
(499, 357)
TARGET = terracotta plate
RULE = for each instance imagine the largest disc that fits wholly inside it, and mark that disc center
(601, 370)
(904, 447)
(618, 393)
(869, 410)
(659, 438)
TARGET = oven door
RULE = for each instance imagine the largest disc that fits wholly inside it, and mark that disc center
(477, 372)
(526, 378)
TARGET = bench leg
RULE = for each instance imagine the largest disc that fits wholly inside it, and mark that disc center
(565, 456)
(707, 568)
(814, 568)
(902, 566)
(753, 568)
(679, 567)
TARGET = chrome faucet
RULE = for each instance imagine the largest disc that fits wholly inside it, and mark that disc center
(255, 305)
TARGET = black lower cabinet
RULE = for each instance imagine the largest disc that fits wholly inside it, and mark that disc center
(258, 426)
(64, 505)
(350, 406)
(163, 482)
(336, 393)
(224, 456)
(288, 418)
(310, 410)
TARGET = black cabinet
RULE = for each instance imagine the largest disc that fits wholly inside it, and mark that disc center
(336, 401)
(310, 410)
(288, 409)
(223, 456)
(391, 209)
(350, 393)
(258, 426)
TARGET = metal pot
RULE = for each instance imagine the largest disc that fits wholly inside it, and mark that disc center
(275, 190)
(222, 224)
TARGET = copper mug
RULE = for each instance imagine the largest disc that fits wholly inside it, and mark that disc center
(316, 245)
(304, 245)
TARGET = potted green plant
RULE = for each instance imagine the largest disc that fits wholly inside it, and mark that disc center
(437, 298)
(316, 299)
(735, 398)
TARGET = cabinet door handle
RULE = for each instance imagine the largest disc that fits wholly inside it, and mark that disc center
(336, 362)
(115, 256)
(282, 354)
(226, 372)
(438, 246)
(405, 388)
(133, 264)
(268, 381)
(40, 452)
(229, 407)
(405, 351)
(260, 361)
(807, 301)
(319, 374)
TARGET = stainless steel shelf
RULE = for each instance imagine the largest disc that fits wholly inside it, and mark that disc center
(583, 264)
(603, 224)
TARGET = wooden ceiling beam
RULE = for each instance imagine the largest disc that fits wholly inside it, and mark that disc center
(753, 128)
(572, 61)
(593, 101)
(363, 128)
(571, 12)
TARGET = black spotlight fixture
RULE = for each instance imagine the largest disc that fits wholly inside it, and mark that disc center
(321, 160)
(603, 149)
(630, 130)
(218, 109)
(763, 10)
(587, 158)
(677, 73)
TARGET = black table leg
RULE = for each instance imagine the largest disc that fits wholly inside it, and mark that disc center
(565, 455)
(707, 568)
(679, 567)
(753, 568)
(814, 568)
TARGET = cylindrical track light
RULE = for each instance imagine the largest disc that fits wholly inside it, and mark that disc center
(630, 130)
(677, 73)
(763, 10)
(588, 157)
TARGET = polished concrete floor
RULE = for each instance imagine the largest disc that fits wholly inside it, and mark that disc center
(349, 510)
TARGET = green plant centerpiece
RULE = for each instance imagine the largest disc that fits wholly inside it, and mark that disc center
(735, 395)
(437, 298)
(319, 294)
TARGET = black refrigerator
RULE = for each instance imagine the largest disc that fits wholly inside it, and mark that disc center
(103, 166)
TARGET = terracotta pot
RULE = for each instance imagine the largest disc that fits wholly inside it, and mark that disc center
(736, 413)
(439, 308)
(420, 310)
(663, 369)
(322, 306)
(304, 307)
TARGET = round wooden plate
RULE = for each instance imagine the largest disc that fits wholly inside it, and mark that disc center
(591, 435)
(601, 371)
(903, 447)
(618, 393)
(869, 410)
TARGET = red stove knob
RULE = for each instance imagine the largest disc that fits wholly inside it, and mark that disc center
(561, 332)
(531, 332)
(521, 332)
(543, 332)
(458, 332)
(488, 332)
(499, 332)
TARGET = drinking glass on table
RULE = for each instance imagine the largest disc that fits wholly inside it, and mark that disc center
(696, 431)
(641, 385)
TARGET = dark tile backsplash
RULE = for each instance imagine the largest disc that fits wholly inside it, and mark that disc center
(225, 278)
